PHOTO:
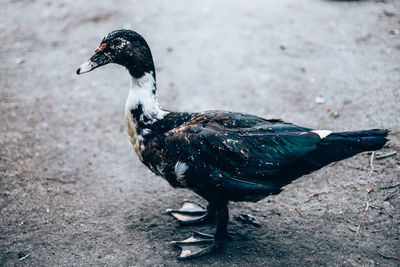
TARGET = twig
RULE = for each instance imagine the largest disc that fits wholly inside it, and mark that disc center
(389, 257)
(371, 163)
(301, 214)
(390, 186)
(362, 218)
(354, 167)
(351, 229)
(24, 257)
(391, 194)
(386, 155)
(314, 195)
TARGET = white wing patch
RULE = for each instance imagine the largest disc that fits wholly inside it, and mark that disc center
(322, 133)
(146, 131)
(180, 169)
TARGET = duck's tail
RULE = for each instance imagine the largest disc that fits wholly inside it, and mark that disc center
(342, 145)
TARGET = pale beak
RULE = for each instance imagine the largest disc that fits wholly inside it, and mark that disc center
(97, 60)
(86, 67)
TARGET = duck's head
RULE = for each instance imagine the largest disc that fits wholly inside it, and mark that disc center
(123, 47)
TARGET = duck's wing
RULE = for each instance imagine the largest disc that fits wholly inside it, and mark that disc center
(242, 147)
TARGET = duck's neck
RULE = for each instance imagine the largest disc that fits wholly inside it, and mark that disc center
(142, 105)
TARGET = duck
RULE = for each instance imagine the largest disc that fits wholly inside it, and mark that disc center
(221, 156)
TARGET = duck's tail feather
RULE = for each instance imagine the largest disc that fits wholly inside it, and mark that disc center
(342, 145)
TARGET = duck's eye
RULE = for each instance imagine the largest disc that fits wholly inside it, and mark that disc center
(117, 42)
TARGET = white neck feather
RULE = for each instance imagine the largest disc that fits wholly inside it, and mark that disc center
(142, 93)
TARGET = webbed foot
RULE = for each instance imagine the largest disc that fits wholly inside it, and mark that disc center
(200, 244)
(192, 212)
(197, 245)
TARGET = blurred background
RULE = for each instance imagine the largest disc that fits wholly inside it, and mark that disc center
(72, 192)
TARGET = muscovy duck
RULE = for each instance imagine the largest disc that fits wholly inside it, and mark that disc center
(222, 156)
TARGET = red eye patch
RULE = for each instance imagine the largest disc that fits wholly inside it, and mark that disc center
(102, 47)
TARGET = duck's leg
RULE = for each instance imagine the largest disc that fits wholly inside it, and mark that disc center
(192, 212)
(200, 244)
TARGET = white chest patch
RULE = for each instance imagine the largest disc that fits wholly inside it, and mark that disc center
(180, 169)
(322, 133)
(142, 92)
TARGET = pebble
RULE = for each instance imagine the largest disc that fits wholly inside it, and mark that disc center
(319, 100)
(20, 60)
(334, 115)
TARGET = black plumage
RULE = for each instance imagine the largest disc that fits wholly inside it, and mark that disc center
(222, 156)
(234, 156)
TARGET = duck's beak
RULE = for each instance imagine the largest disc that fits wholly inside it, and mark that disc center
(98, 59)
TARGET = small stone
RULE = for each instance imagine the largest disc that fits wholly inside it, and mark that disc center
(388, 13)
(319, 100)
(20, 60)
(334, 115)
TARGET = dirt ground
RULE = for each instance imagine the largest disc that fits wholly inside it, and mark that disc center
(74, 193)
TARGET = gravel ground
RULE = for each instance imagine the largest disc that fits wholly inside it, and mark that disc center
(74, 193)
